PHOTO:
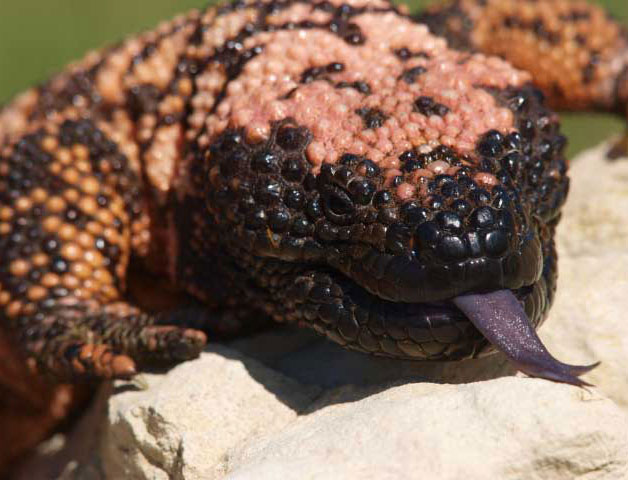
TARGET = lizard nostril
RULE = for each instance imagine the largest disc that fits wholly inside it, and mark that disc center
(338, 205)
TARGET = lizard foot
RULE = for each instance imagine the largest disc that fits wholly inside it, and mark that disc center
(113, 342)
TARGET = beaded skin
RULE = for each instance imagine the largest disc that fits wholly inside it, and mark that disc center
(337, 164)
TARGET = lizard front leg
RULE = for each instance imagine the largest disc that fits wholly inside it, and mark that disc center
(70, 214)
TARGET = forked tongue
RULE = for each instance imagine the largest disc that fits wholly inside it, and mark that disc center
(502, 320)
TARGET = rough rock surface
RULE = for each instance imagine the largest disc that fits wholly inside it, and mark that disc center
(185, 422)
(509, 428)
(589, 320)
(286, 404)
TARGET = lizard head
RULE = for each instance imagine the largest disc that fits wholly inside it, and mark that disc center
(412, 219)
(464, 265)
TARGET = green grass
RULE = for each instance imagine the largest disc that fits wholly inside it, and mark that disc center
(38, 37)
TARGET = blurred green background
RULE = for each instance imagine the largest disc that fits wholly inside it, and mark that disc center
(37, 37)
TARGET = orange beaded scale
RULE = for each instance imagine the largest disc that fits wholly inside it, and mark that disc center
(92, 161)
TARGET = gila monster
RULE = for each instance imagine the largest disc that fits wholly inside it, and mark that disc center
(384, 179)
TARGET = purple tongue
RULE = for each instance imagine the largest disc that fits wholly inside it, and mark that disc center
(502, 320)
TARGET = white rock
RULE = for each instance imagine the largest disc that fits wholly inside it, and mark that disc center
(511, 428)
(182, 425)
(589, 319)
(595, 217)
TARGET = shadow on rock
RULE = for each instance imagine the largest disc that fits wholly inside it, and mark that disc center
(314, 361)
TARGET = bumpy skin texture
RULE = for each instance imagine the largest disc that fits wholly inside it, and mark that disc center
(575, 53)
(325, 163)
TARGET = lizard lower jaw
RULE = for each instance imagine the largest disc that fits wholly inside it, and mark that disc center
(337, 307)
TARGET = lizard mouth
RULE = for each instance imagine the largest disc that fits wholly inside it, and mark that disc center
(466, 325)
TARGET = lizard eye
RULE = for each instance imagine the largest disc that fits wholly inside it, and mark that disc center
(338, 205)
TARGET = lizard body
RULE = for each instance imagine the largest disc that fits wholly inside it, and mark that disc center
(333, 164)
